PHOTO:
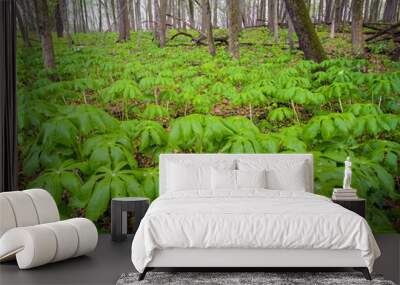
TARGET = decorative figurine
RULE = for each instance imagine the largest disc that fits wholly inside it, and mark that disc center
(347, 174)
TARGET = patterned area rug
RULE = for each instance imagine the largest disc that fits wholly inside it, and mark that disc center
(243, 278)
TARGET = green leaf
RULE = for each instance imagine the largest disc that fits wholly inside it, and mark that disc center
(118, 188)
(99, 201)
(70, 181)
(327, 129)
(82, 197)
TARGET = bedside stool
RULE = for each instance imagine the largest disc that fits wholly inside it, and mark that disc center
(119, 208)
(356, 205)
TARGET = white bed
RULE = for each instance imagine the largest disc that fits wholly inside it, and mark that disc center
(249, 227)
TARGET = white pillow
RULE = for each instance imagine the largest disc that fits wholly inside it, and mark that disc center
(251, 179)
(294, 180)
(282, 174)
(181, 177)
(223, 179)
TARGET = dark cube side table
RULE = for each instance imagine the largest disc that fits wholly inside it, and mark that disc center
(119, 208)
(356, 205)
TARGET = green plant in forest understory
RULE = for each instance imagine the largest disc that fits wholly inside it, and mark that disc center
(281, 114)
(124, 90)
(171, 86)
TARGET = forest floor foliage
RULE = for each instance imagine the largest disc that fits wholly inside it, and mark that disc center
(92, 128)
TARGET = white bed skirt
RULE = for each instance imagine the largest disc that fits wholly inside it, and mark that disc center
(189, 257)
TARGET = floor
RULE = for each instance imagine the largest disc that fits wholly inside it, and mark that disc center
(110, 260)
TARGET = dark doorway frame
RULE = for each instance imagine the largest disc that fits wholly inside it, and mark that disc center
(8, 98)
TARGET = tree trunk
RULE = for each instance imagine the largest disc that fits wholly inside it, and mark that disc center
(123, 21)
(191, 13)
(328, 11)
(82, 14)
(271, 15)
(100, 18)
(179, 11)
(242, 15)
(335, 17)
(163, 23)
(113, 13)
(320, 11)
(27, 15)
(109, 27)
(59, 22)
(131, 13)
(233, 8)
(373, 11)
(215, 14)
(273, 18)
(206, 11)
(183, 13)
(150, 14)
(366, 9)
(356, 28)
(261, 13)
(290, 33)
(204, 19)
(138, 15)
(389, 14)
(308, 39)
(74, 16)
(22, 27)
(86, 16)
(43, 23)
(64, 16)
(156, 25)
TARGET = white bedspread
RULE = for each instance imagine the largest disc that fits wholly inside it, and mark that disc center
(250, 219)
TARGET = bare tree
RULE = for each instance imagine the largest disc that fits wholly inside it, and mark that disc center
(336, 16)
(100, 17)
(64, 16)
(261, 13)
(389, 14)
(149, 15)
(206, 11)
(273, 18)
(163, 23)
(233, 13)
(308, 40)
(43, 23)
(123, 21)
(113, 12)
(59, 21)
(191, 13)
(328, 11)
(157, 21)
(320, 10)
(366, 10)
(132, 16)
(86, 16)
(215, 13)
(290, 33)
(22, 26)
(138, 15)
(109, 28)
(356, 27)
(374, 11)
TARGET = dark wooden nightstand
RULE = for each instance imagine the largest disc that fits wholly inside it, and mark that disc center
(355, 205)
(119, 208)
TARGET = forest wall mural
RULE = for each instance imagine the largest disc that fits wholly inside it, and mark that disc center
(105, 86)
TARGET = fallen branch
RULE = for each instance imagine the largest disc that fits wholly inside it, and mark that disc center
(384, 31)
(200, 39)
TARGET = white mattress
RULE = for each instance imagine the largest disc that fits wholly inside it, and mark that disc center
(252, 219)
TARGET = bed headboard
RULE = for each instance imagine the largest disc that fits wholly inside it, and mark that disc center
(209, 158)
